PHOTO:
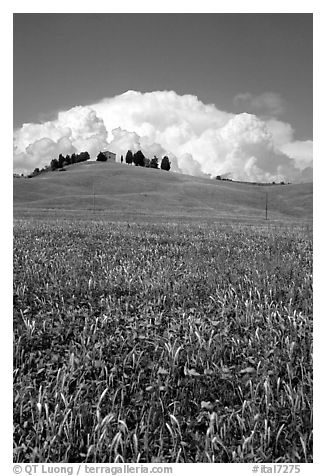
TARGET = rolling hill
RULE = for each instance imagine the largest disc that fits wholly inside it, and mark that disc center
(122, 191)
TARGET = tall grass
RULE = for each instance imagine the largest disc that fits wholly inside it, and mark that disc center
(161, 343)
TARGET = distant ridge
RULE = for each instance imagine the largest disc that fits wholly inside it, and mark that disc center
(121, 189)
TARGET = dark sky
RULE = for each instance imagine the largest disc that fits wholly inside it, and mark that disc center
(63, 60)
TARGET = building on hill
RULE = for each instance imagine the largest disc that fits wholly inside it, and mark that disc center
(110, 155)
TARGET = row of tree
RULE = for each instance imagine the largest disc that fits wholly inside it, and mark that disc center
(62, 161)
(140, 160)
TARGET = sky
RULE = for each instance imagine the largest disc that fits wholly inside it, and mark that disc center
(234, 91)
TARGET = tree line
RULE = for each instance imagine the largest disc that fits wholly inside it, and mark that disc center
(140, 160)
(62, 161)
(137, 158)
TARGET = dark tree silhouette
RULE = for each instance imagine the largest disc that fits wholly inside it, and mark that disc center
(154, 163)
(129, 157)
(61, 160)
(54, 164)
(139, 158)
(101, 157)
(165, 164)
(83, 156)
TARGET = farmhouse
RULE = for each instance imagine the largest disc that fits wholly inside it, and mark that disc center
(109, 155)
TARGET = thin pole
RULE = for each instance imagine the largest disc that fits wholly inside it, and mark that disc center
(93, 198)
(266, 208)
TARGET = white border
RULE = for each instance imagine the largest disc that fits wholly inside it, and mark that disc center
(168, 6)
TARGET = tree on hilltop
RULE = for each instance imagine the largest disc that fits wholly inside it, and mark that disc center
(165, 164)
(61, 160)
(101, 157)
(154, 163)
(83, 156)
(129, 157)
(139, 158)
(54, 165)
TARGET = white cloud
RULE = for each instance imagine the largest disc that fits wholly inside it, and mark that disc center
(78, 129)
(88, 131)
(265, 104)
(189, 166)
(300, 151)
(282, 132)
(38, 152)
(199, 138)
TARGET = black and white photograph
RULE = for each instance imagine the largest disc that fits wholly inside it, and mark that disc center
(162, 241)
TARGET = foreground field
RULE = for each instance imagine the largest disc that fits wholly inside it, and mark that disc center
(161, 343)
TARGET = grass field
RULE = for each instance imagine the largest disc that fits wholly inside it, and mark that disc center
(126, 191)
(161, 342)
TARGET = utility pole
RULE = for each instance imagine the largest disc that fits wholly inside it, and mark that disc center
(93, 198)
(266, 206)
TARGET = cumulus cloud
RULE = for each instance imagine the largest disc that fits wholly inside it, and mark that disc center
(300, 151)
(199, 138)
(265, 104)
(282, 132)
(76, 130)
(38, 152)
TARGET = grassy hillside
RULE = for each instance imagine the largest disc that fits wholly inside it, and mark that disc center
(119, 189)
